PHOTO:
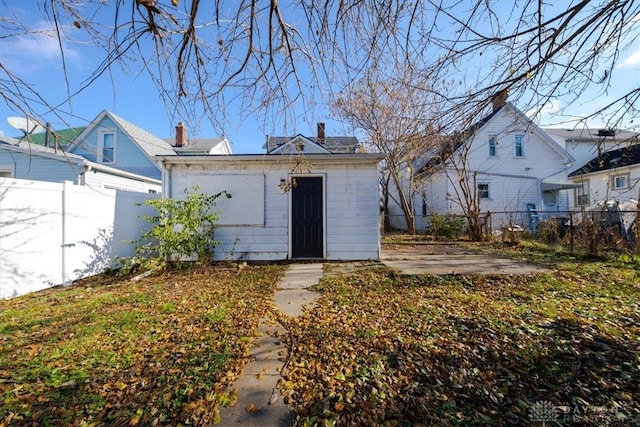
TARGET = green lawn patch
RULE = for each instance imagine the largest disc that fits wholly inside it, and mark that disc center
(158, 351)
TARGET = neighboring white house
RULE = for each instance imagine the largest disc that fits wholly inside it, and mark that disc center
(318, 143)
(613, 175)
(199, 146)
(25, 160)
(516, 165)
(586, 143)
(331, 210)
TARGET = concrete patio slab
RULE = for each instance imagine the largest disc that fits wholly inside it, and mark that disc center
(450, 259)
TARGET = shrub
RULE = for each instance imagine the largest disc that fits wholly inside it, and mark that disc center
(183, 229)
(447, 226)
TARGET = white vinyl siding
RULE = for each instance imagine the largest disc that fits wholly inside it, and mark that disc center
(351, 197)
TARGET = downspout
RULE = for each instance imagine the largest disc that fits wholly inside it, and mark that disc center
(166, 180)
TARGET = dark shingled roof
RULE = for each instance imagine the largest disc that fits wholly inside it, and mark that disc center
(621, 157)
(335, 144)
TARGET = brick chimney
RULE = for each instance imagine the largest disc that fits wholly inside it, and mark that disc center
(181, 135)
(321, 138)
(500, 99)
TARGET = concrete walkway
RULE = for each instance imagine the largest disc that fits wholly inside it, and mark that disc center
(259, 402)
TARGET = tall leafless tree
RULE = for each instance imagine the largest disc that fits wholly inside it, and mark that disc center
(395, 114)
(279, 58)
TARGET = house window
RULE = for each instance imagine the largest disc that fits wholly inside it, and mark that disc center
(424, 204)
(6, 172)
(493, 142)
(582, 194)
(550, 198)
(483, 191)
(620, 182)
(106, 147)
(519, 146)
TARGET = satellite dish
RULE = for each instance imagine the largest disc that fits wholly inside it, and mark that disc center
(25, 124)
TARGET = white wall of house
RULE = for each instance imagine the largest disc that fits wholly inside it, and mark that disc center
(514, 178)
(54, 233)
(600, 185)
(102, 179)
(255, 223)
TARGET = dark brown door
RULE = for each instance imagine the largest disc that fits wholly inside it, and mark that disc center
(306, 212)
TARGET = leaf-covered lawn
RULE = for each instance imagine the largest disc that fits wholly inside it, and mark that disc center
(160, 351)
(379, 349)
(383, 349)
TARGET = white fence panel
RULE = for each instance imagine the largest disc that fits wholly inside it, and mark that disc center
(53, 233)
(30, 236)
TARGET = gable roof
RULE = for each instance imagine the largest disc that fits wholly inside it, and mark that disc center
(200, 145)
(333, 144)
(454, 142)
(150, 144)
(626, 156)
(587, 134)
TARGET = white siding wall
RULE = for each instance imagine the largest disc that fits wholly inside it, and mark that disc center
(99, 179)
(599, 185)
(351, 207)
(540, 160)
(513, 181)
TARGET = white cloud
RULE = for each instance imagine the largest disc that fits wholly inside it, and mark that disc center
(546, 114)
(631, 60)
(37, 50)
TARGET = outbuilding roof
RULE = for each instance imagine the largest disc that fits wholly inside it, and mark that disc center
(626, 156)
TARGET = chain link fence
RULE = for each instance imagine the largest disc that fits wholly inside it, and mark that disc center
(606, 227)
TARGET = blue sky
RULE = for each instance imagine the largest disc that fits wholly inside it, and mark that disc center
(132, 95)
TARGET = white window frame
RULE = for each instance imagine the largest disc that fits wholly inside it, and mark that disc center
(616, 177)
(493, 146)
(519, 136)
(7, 171)
(100, 155)
(582, 193)
(487, 192)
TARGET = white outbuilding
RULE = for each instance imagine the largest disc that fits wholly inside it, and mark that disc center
(306, 203)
